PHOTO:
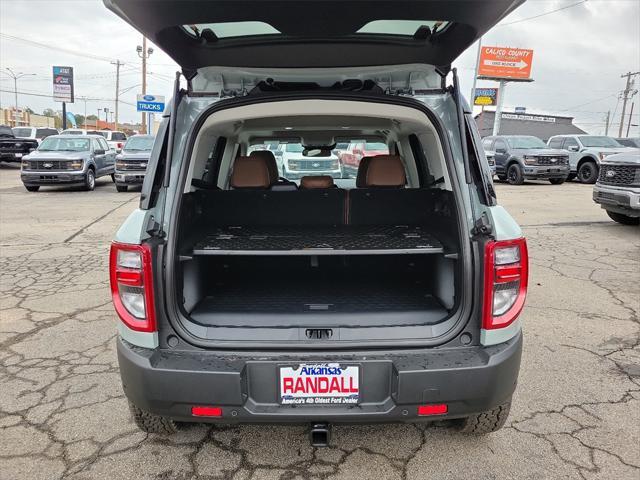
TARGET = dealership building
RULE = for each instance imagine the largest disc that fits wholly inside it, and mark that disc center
(541, 126)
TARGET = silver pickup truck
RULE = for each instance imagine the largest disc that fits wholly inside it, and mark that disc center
(618, 187)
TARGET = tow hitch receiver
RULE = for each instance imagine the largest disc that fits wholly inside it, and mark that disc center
(320, 434)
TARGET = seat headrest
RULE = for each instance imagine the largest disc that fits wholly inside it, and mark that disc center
(385, 171)
(250, 172)
(361, 177)
(316, 181)
(270, 159)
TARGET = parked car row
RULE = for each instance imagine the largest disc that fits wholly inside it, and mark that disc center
(563, 157)
(79, 158)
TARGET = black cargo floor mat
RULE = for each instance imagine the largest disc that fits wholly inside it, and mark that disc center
(264, 304)
(318, 240)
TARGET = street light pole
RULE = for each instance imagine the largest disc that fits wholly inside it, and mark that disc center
(144, 53)
(15, 77)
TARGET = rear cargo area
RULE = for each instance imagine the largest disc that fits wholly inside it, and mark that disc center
(318, 259)
(373, 254)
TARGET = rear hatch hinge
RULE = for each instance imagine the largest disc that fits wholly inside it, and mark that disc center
(482, 227)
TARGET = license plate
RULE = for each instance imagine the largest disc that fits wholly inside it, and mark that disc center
(320, 384)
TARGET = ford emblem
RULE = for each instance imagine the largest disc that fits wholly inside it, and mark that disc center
(143, 165)
(554, 160)
(18, 144)
(315, 164)
(149, 98)
(47, 165)
(610, 173)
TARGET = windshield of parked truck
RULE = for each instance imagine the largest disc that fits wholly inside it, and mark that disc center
(599, 142)
(59, 144)
(139, 144)
(520, 143)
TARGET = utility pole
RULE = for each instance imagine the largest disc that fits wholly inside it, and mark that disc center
(144, 53)
(626, 97)
(606, 124)
(630, 117)
(117, 63)
(15, 77)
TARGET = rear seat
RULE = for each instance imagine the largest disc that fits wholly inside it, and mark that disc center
(382, 197)
(252, 201)
(383, 201)
(277, 183)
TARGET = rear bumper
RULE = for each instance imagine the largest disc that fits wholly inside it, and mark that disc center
(52, 178)
(469, 380)
(618, 199)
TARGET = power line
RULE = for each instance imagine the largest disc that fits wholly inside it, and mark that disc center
(542, 14)
(51, 47)
(91, 99)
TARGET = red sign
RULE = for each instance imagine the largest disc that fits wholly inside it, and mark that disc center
(504, 62)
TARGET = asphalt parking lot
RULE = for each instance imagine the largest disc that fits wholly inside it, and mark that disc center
(576, 412)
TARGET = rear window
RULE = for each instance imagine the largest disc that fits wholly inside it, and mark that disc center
(72, 132)
(22, 132)
(232, 29)
(45, 132)
(376, 146)
(118, 136)
(599, 142)
(400, 27)
(252, 28)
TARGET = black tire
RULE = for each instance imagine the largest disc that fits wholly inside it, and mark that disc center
(515, 175)
(121, 188)
(557, 181)
(501, 177)
(89, 180)
(588, 173)
(32, 188)
(486, 422)
(623, 219)
(113, 177)
(151, 423)
(571, 177)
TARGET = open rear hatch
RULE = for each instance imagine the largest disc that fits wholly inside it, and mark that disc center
(315, 33)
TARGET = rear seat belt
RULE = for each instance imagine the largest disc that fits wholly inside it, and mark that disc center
(346, 207)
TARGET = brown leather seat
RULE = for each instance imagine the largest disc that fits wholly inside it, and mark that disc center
(251, 172)
(362, 172)
(316, 181)
(385, 171)
(270, 160)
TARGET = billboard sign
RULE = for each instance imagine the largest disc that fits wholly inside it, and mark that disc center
(150, 103)
(486, 97)
(63, 84)
(505, 63)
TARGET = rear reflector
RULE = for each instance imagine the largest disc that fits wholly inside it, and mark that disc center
(436, 409)
(206, 411)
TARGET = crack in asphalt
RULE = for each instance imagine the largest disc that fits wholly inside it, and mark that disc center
(98, 220)
(63, 414)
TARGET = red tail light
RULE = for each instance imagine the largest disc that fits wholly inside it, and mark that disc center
(506, 273)
(120, 145)
(131, 275)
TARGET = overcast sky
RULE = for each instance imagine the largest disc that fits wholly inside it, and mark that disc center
(580, 53)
